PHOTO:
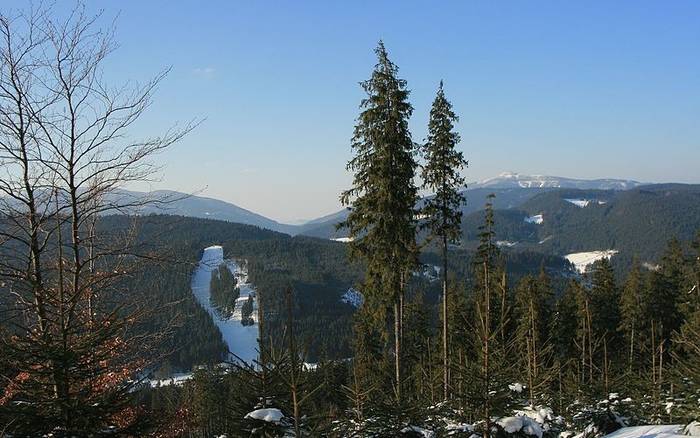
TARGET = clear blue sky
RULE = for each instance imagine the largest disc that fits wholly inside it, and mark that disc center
(580, 89)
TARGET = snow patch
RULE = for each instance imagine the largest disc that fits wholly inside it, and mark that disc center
(692, 429)
(342, 239)
(526, 425)
(583, 260)
(174, 380)
(505, 244)
(431, 272)
(353, 297)
(419, 430)
(537, 219)
(269, 415)
(657, 431)
(517, 387)
(584, 202)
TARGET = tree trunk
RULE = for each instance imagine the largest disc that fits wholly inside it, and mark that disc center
(445, 349)
(397, 349)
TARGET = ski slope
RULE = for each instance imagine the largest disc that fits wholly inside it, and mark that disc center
(242, 340)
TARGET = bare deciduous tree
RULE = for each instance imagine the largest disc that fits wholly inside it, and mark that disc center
(72, 335)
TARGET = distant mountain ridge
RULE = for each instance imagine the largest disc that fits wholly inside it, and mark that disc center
(182, 204)
(516, 180)
(511, 189)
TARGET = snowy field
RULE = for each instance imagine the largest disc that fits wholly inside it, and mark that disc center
(584, 202)
(242, 340)
(583, 260)
(657, 431)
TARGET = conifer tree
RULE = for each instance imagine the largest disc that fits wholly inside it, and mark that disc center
(488, 376)
(383, 195)
(668, 287)
(605, 298)
(441, 175)
(633, 312)
(532, 337)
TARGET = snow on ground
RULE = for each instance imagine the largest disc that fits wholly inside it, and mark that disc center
(342, 239)
(505, 243)
(583, 260)
(545, 239)
(584, 202)
(269, 415)
(353, 297)
(517, 387)
(658, 431)
(536, 219)
(431, 272)
(176, 379)
(419, 430)
(242, 340)
(526, 425)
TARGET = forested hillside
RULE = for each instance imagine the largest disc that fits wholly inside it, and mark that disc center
(635, 222)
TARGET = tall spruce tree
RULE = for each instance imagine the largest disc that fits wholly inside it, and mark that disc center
(633, 312)
(487, 376)
(441, 175)
(532, 312)
(383, 195)
(605, 299)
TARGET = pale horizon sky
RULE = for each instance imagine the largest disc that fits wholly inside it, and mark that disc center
(591, 89)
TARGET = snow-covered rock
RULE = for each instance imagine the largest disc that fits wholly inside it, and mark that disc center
(583, 260)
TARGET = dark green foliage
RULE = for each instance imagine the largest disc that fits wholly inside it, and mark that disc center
(441, 172)
(247, 311)
(223, 290)
(443, 214)
(383, 198)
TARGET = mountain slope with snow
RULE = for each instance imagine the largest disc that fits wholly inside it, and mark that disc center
(517, 180)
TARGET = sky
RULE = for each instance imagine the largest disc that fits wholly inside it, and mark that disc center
(588, 89)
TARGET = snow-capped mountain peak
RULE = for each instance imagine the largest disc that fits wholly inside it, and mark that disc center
(516, 180)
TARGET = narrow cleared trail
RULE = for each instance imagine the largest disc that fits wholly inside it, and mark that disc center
(242, 340)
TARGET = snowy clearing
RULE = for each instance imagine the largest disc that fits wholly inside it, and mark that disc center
(342, 239)
(242, 340)
(584, 202)
(658, 431)
(537, 219)
(583, 260)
